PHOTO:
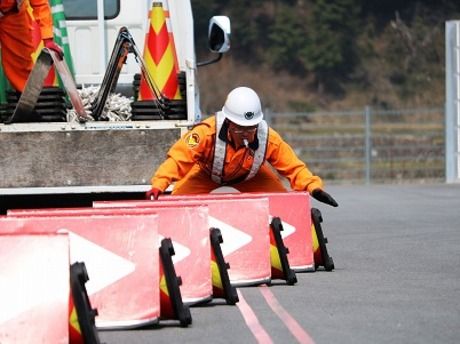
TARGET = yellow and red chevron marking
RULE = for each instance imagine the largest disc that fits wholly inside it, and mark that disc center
(75, 336)
(160, 57)
(317, 257)
(166, 307)
(37, 42)
(275, 260)
(170, 34)
(217, 285)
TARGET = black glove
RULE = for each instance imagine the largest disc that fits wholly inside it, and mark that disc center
(324, 197)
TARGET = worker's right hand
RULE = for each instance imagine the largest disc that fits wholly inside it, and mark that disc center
(51, 44)
(153, 194)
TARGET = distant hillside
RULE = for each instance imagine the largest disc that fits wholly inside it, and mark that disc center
(320, 55)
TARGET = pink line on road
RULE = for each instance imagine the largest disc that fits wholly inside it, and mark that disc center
(251, 320)
(298, 332)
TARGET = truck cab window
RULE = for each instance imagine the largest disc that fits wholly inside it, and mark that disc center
(87, 9)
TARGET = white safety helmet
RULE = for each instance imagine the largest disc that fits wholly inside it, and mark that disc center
(243, 107)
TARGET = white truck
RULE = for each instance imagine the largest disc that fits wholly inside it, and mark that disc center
(73, 163)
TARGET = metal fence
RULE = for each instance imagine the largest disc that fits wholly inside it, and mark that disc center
(368, 146)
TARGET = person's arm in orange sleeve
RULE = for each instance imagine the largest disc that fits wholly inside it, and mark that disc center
(283, 158)
(181, 157)
(42, 14)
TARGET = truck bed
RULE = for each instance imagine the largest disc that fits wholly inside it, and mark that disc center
(40, 158)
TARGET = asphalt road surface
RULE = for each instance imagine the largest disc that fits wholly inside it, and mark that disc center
(396, 251)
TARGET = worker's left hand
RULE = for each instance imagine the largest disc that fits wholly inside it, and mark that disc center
(153, 194)
(51, 44)
(324, 197)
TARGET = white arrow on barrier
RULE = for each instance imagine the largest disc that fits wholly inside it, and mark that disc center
(233, 238)
(18, 295)
(180, 251)
(288, 229)
(104, 267)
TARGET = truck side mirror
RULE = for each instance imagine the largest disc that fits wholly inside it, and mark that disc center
(219, 34)
(218, 38)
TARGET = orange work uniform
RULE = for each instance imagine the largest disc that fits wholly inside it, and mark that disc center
(16, 37)
(189, 164)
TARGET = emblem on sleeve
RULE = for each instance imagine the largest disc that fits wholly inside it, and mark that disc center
(192, 140)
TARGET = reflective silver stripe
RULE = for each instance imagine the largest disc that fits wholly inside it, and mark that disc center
(220, 148)
(259, 154)
(57, 8)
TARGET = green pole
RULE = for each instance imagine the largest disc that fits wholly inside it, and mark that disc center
(60, 31)
(4, 84)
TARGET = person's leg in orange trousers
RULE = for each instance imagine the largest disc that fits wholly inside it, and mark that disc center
(16, 45)
(199, 182)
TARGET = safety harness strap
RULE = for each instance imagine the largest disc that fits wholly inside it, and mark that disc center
(220, 149)
(259, 154)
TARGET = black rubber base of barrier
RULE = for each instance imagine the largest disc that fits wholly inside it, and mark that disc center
(181, 311)
(229, 292)
(326, 260)
(86, 315)
(288, 274)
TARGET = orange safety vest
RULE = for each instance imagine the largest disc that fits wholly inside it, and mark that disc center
(197, 147)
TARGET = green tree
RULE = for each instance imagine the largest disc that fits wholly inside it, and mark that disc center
(286, 39)
(330, 50)
(248, 29)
